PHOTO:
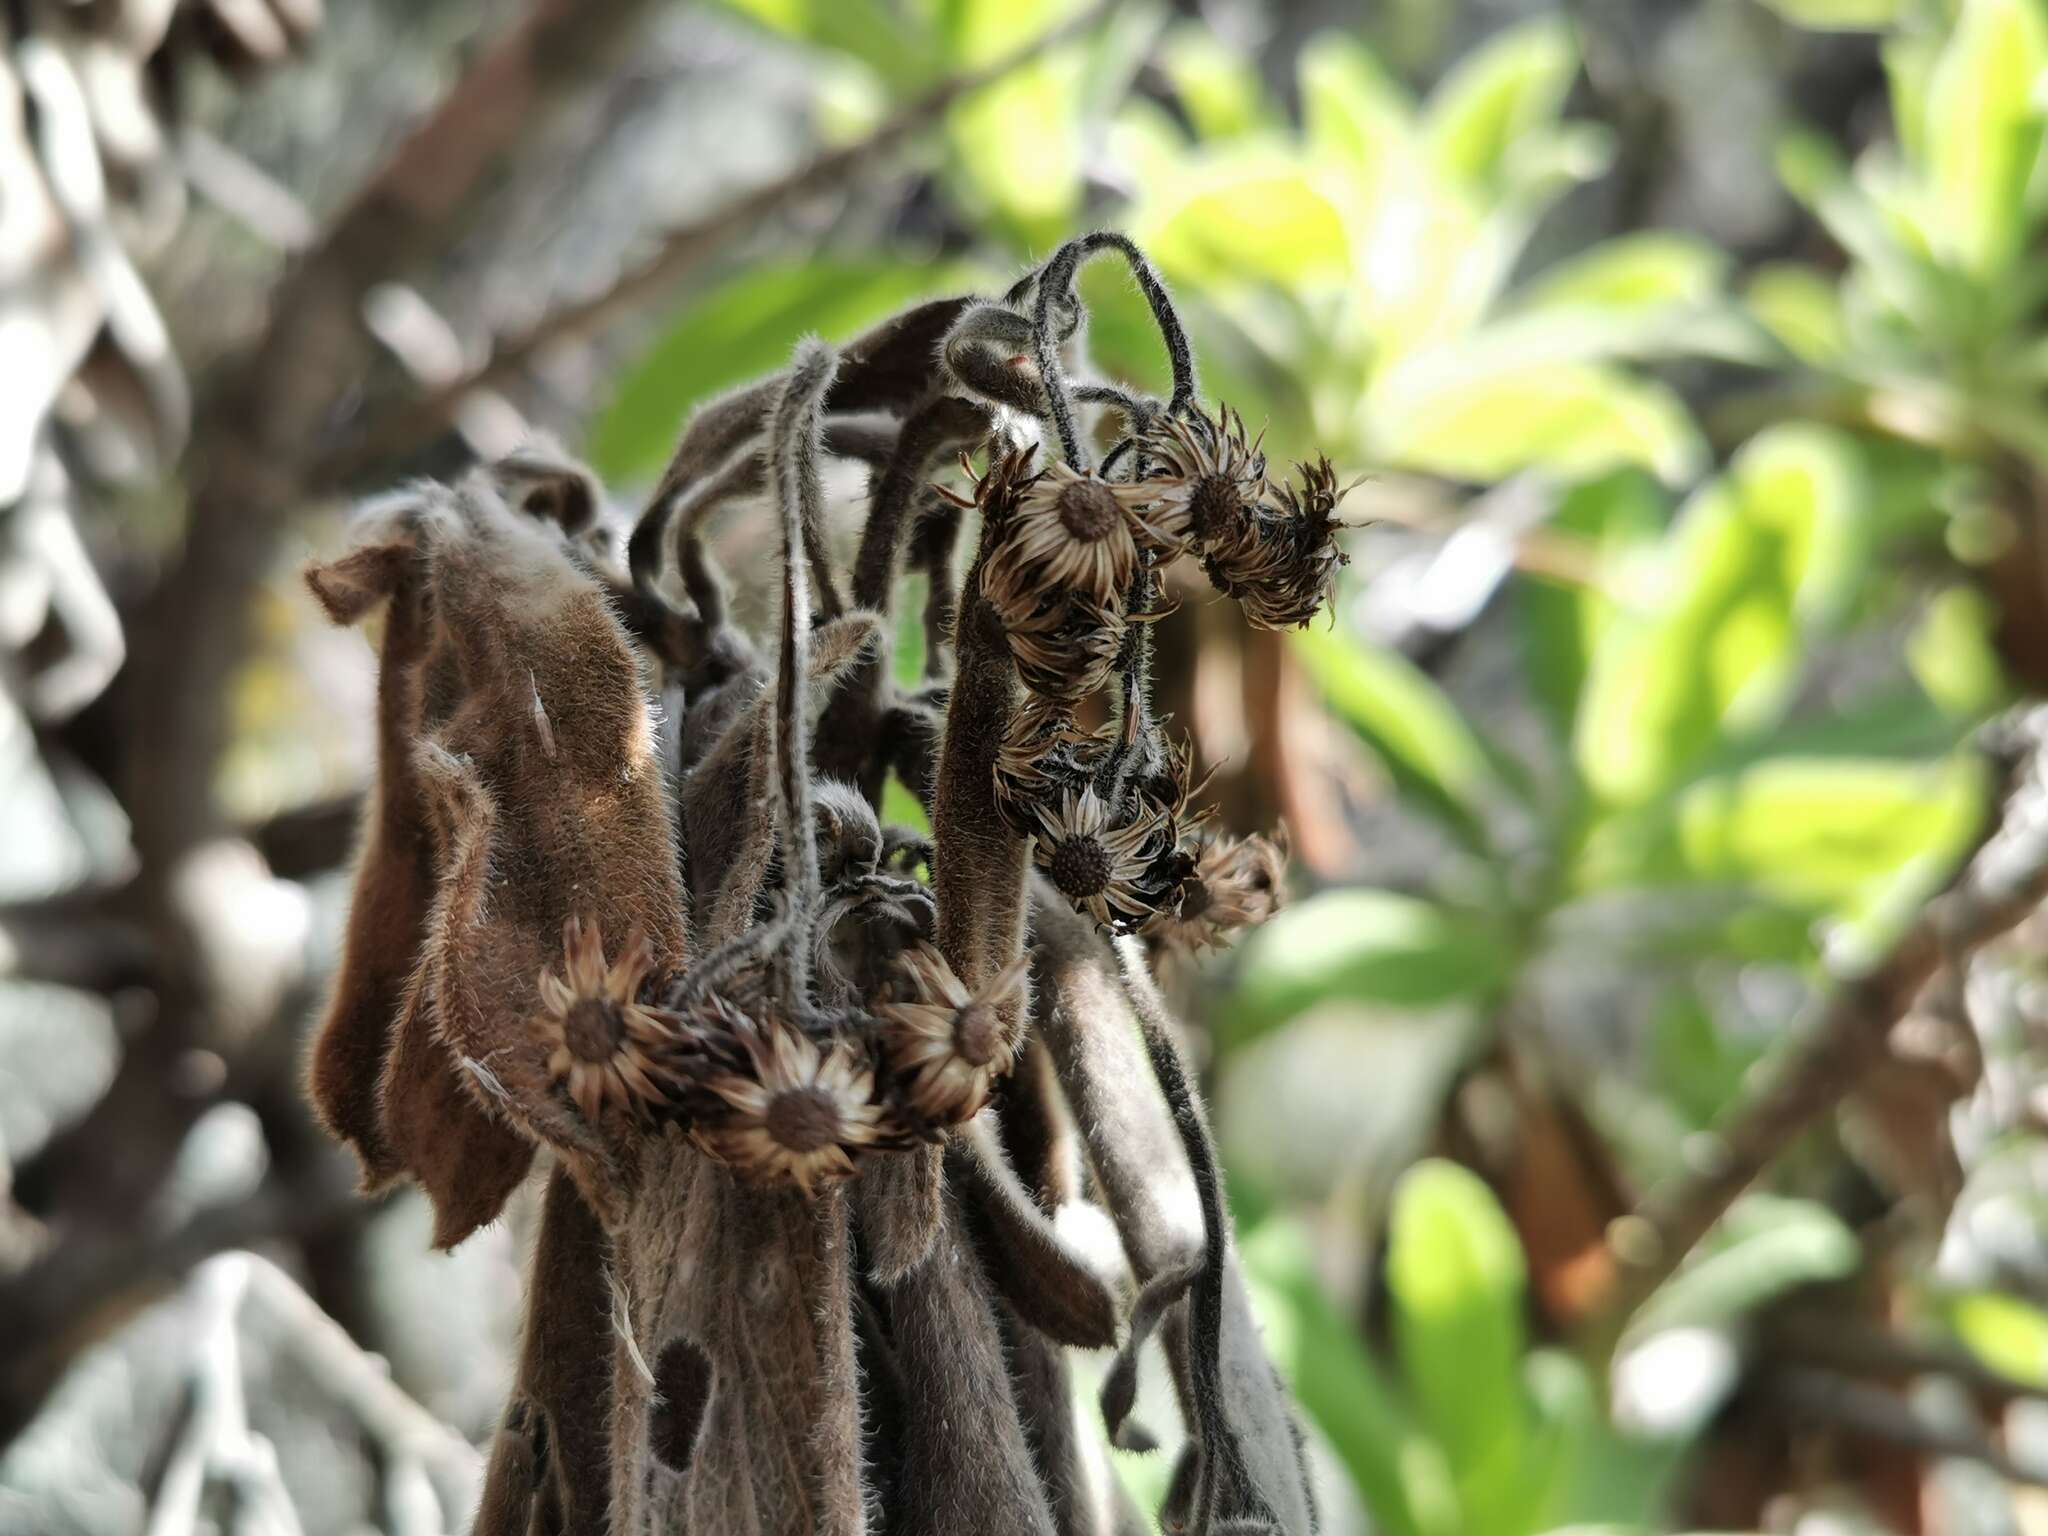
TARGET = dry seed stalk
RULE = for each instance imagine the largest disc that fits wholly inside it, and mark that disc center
(711, 1088)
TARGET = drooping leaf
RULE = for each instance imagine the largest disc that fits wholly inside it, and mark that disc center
(739, 330)
(1801, 309)
(2004, 1331)
(1367, 946)
(1952, 655)
(1697, 1066)
(1457, 1278)
(1218, 87)
(1427, 747)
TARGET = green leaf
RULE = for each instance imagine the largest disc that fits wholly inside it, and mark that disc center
(1764, 1247)
(1651, 270)
(1365, 946)
(1615, 518)
(739, 330)
(1398, 1471)
(1479, 418)
(1498, 98)
(1802, 309)
(1758, 560)
(900, 807)
(866, 30)
(1414, 729)
(1953, 657)
(1697, 1067)
(1457, 1279)
(1218, 86)
(2006, 1333)
(1838, 15)
(1983, 132)
(1244, 213)
(1831, 834)
(1353, 112)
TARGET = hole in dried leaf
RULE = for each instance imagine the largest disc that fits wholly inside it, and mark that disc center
(683, 1378)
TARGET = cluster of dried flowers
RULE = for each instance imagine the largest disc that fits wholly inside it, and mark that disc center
(625, 896)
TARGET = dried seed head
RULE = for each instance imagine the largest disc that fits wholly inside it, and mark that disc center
(1043, 752)
(1070, 533)
(1237, 883)
(997, 490)
(793, 1110)
(1291, 582)
(605, 1044)
(948, 1043)
(1067, 650)
(1096, 864)
(1212, 476)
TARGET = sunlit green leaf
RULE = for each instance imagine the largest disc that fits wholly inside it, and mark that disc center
(1613, 518)
(1649, 270)
(739, 330)
(1480, 422)
(1952, 655)
(2004, 1331)
(1983, 131)
(867, 30)
(1764, 1247)
(1244, 213)
(1218, 86)
(1457, 1278)
(1498, 98)
(1416, 731)
(1801, 308)
(1697, 1066)
(1367, 946)
(1760, 558)
(1353, 112)
(1838, 15)
(1398, 1470)
(1829, 833)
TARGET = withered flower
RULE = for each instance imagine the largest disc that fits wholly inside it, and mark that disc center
(604, 1039)
(949, 1042)
(1071, 533)
(1068, 649)
(1212, 477)
(1291, 582)
(796, 1110)
(997, 490)
(1238, 882)
(1098, 866)
(1042, 752)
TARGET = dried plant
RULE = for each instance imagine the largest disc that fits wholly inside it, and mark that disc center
(824, 1141)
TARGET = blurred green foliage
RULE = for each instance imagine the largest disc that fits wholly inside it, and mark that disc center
(1356, 276)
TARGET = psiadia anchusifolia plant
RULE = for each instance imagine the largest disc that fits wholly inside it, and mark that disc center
(822, 1133)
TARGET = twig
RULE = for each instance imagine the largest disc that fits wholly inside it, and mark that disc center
(2004, 880)
(217, 1443)
(1859, 1348)
(409, 1437)
(1882, 1415)
(682, 250)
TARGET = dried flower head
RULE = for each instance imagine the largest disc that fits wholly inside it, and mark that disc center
(1292, 581)
(1067, 649)
(1097, 864)
(794, 1109)
(1071, 532)
(1238, 882)
(1043, 752)
(948, 1042)
(1212, 477)
(604, 1040)
(997, 490)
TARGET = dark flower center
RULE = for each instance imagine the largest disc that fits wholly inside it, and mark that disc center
(804, 1119)
(1214, 507)
(1080, 867)
(977, 1033)
(593, 1030)
(1088, 510)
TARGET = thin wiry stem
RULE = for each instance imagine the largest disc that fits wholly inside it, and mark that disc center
(1056, 281)
(1229, 1491)
(793, 472)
